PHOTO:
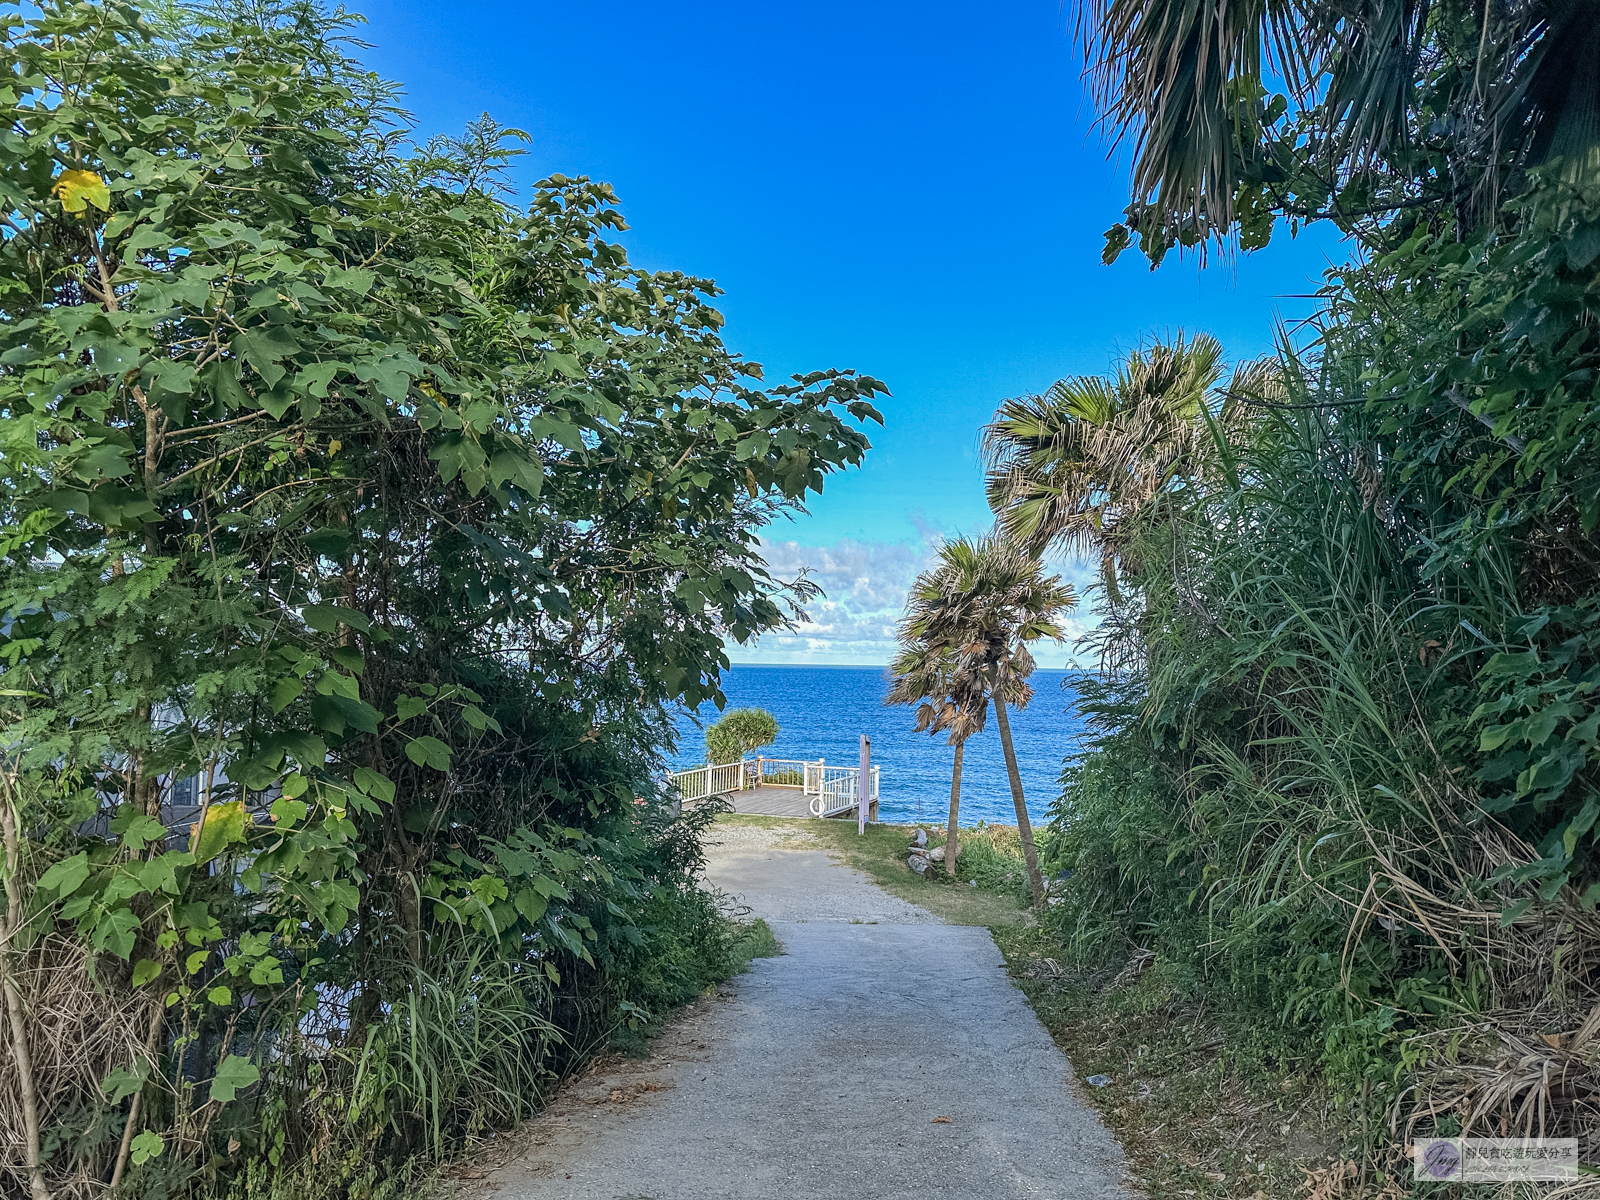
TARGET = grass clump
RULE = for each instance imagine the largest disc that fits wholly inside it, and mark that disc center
(754, 940)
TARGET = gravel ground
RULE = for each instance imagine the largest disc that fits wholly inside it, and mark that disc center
(883, 1056)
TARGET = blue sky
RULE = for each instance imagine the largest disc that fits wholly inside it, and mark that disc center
(916, 190)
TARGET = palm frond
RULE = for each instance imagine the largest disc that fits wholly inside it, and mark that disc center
(1069, 467)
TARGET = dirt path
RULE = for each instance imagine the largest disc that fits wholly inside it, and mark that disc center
(885, 1054)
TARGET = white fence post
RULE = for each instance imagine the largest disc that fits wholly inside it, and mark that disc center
(864, 785)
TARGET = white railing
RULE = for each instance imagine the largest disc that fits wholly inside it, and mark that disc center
(832, 789)
(716, 780)
(836, 789)
(778, 772)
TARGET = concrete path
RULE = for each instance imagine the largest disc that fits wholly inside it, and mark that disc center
(884, 1055)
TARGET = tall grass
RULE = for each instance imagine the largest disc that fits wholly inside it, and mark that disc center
(1282, 796)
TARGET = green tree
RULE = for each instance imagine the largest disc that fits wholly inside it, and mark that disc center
(970, 620)
(395, 512)
(948, 700)
(738, 732)
(944, 704)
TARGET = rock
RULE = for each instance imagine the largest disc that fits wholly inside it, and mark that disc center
(919, 864)
(936, 854)
(1098, 1081)
(921, 839)
(972, 883)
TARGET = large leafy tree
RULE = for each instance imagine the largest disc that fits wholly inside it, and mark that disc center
(392, 511)
(968, 623)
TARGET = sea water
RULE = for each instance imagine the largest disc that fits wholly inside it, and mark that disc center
(823, 711)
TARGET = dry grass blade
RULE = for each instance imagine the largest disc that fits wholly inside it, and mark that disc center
(81, 1030)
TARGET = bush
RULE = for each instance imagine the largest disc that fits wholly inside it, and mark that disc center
(738, 732)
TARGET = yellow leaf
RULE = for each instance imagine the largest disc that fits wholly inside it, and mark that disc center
(225, 823)
(78, 189)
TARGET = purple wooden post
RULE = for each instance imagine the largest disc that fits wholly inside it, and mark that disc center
(864, 785)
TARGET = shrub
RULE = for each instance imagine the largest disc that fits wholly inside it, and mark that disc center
(738, 732)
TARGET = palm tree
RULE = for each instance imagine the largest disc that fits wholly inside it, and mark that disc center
(1074, 466)
(1377, 86)
(948, 701)
(974, 614)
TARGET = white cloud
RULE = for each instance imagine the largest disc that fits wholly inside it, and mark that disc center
(865, 586)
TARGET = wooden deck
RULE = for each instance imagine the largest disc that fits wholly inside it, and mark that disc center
(781, 802)
(772, 802)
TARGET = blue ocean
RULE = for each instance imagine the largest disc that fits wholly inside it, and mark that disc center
(823, 711)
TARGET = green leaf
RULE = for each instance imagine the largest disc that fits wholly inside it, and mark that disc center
(513, 467)
(115, 933)
(144, 971)
(380, 787)
(107, 460)
(1511, 664)
(1509, 916)
(349, 658)
(287, 812)
(336, 713)
(429, 751)
(531, 904)
(307, 749)
(160, 874)
(233, 1073)
(326, 618)
(406, 707)
(120, 1084)
(136, 829)
(1496, 736)
(285, 692)
(220, 995)
(330, 542)
(66, 876)
(355, 279)
(145, 1146)
(267, 971)
(263, 347)
(220, 380)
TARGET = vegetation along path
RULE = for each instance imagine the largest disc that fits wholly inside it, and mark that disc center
(883, 1054)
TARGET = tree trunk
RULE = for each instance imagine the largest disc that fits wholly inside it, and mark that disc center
(951, 846)
(1030, 854)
